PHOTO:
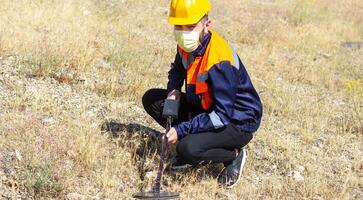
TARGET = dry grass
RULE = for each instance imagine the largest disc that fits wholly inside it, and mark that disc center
(77, 64)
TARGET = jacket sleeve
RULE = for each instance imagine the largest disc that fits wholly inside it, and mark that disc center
(223, 79)
(176, 74)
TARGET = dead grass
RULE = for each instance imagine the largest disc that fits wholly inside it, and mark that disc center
(80, 63)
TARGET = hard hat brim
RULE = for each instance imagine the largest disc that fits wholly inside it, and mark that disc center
(184, 21)
(189, 20)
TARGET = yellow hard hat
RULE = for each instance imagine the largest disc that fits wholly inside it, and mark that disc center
(186, 12)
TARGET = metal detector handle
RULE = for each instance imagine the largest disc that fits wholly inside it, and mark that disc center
(170, 112)
(169, 122)
(163, 154)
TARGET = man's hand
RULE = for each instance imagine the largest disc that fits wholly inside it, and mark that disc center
(174, 95)
(172, 136)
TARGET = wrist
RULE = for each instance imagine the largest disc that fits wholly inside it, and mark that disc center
(178, 132)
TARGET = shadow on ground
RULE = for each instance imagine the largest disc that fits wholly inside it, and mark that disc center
(144, 140)
(148, 144)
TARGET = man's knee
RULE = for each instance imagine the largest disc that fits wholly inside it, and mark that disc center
(153, 95)
(190, 152)
(147, 97)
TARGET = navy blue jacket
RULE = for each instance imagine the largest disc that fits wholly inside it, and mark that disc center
(235, 100)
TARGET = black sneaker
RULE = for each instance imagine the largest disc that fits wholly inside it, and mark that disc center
(231, 174)
(179, 164)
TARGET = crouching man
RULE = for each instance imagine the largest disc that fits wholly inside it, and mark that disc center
(220, 109)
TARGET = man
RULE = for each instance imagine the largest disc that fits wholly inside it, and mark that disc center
(220, 109)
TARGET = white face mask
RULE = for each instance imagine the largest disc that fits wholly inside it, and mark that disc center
(187, 40)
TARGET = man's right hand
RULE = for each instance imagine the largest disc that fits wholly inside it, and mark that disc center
(172, 136)
(174, 95)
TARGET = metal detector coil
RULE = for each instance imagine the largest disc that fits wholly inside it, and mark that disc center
(170, 112)
(153, 195)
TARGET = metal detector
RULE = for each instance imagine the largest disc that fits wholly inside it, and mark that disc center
(170, 112)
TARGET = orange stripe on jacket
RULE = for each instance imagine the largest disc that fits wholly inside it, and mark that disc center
(217, 51)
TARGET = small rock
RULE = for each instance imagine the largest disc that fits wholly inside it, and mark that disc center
(6, 194)
(319, 142)
(74, 196)
(300, 168)
(149, 175)
(338, 102)
(296, 175)
(86, 12)
(65, 75)
(317, 198)
(102, 63)
(49, 121)
(352, 45)
(18, 155)
(71, 154)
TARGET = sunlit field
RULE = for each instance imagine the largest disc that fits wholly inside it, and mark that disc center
(73, 72)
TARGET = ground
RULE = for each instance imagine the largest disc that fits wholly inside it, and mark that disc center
(72, 75)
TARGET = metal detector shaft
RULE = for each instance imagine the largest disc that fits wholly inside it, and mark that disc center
(163, 155)
(170, 112)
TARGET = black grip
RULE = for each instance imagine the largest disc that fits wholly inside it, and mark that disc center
(171, 108)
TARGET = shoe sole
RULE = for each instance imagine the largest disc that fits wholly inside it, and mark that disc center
(240, 170)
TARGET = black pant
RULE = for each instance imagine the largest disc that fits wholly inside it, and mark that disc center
(214, 146)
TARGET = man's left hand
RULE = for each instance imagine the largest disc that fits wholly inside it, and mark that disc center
(172, 136)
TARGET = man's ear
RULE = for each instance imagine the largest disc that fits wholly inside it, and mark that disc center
(207, 26)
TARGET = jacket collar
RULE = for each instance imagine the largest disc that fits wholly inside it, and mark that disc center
(203, 45)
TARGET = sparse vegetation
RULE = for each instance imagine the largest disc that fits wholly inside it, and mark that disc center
(67, 67)
(355, 93)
